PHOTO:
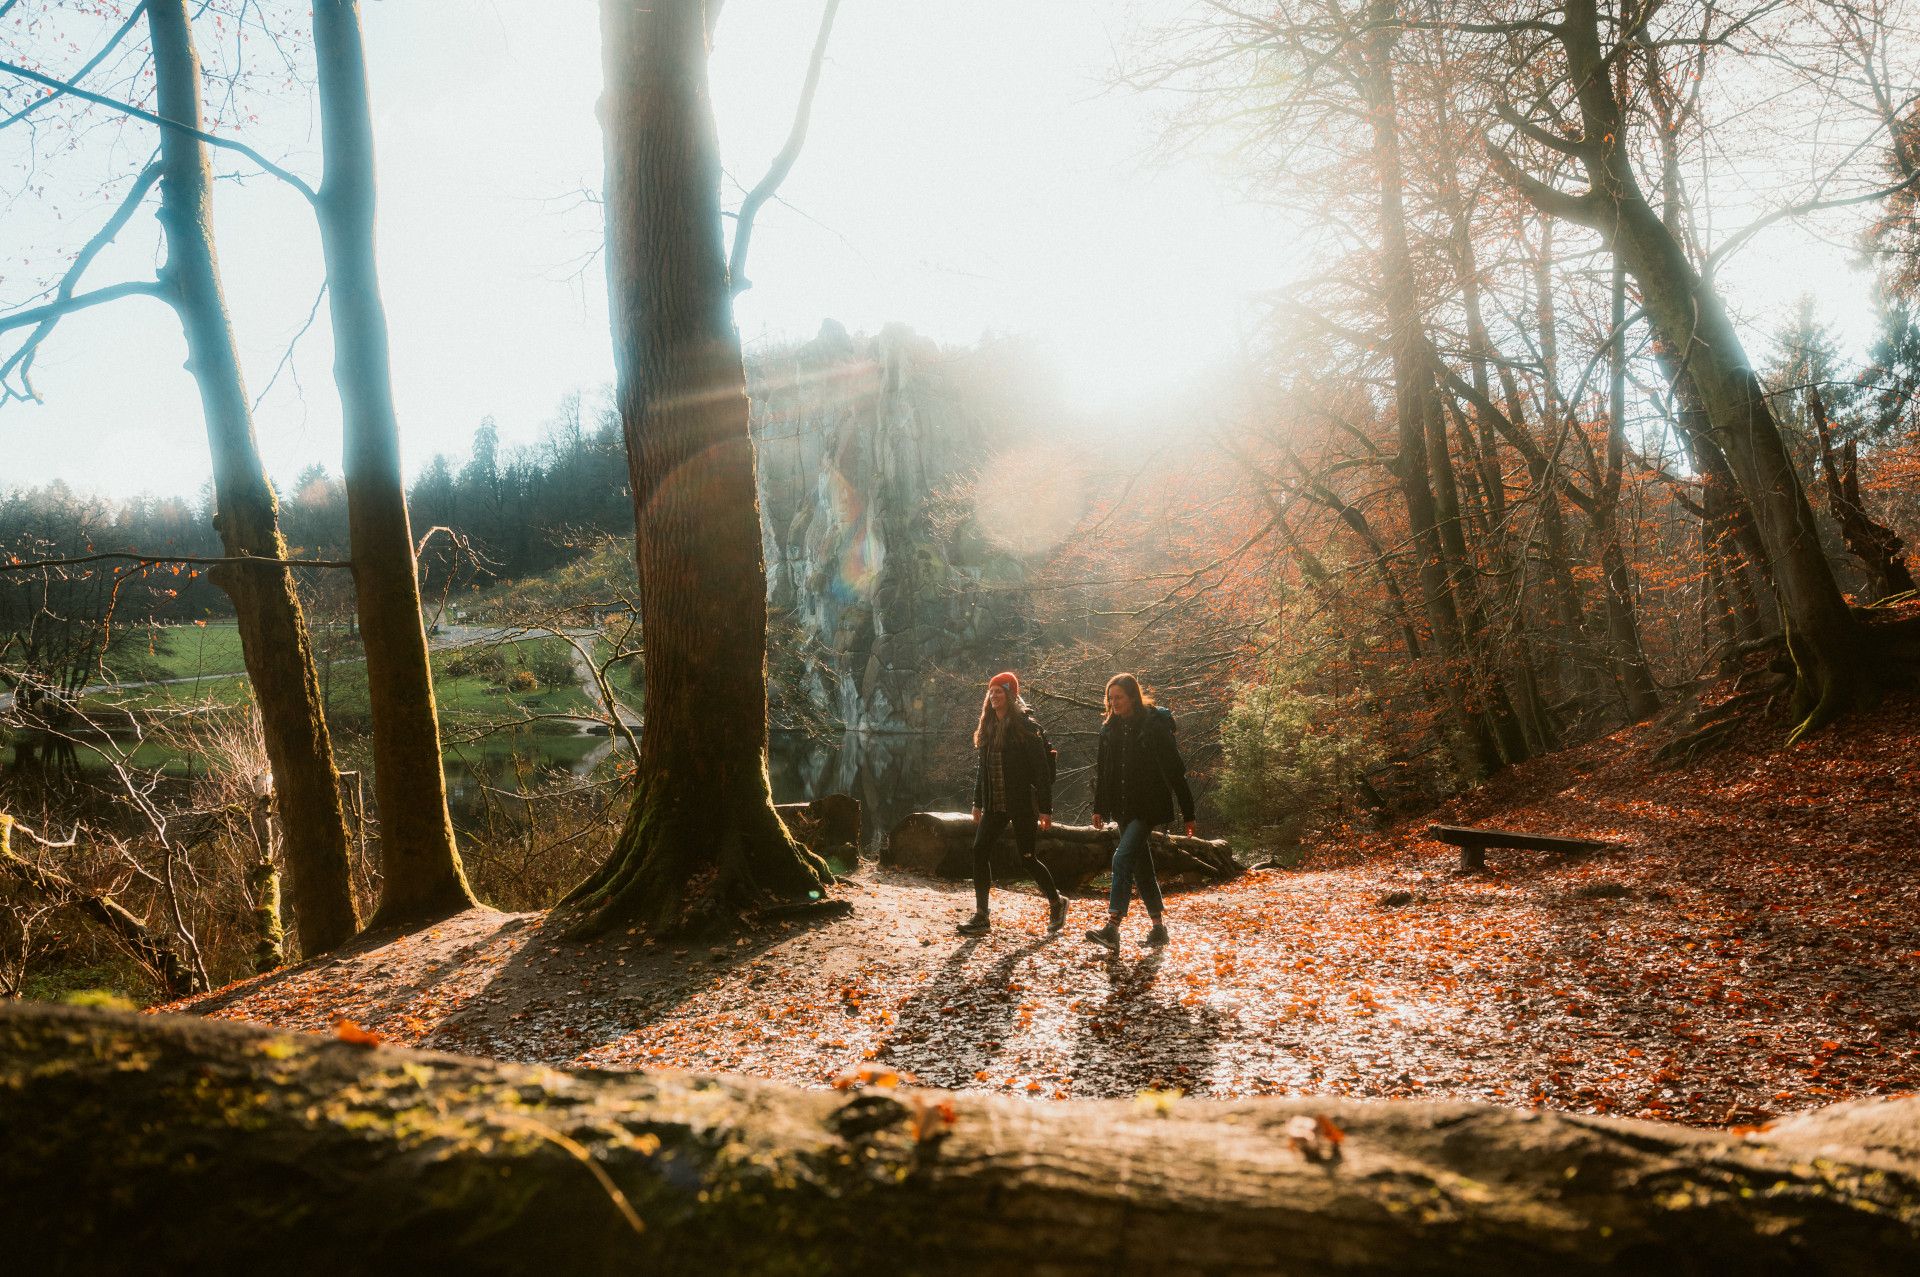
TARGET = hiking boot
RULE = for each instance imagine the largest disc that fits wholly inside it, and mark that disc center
(978, 925)
(1158, 936)
(1056, 913)
(1108, 935)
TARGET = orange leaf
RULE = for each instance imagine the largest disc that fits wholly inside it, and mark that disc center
(352, 1034)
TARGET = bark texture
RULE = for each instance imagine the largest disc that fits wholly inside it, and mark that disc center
(273, 632)
(237, 1149)
(703, 838)
(421, 875)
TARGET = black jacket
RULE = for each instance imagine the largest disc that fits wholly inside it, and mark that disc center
(1028, 777)
(1140, 773)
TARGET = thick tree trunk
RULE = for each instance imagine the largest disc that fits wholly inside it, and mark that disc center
(1687, 314)
(238, 1149)
(273, 634)
(940, 844)
(421, 875)
(1735, 556)
(703, 838)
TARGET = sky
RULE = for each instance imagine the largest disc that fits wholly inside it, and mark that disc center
(969, 171)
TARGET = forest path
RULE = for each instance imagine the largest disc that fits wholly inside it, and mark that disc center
(1745, 948)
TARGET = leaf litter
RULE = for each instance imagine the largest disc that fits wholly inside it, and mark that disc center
(1744, 948)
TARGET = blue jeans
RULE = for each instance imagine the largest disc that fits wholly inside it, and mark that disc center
(1133, 861)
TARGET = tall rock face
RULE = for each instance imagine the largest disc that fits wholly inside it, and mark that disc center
(862, 445)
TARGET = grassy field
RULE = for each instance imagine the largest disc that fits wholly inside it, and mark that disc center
(183, 651)
(474, 688)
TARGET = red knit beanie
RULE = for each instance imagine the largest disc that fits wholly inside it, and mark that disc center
(1008, 680)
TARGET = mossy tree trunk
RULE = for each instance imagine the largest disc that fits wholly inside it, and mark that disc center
(273, 633)
(238, 1149)
(702, 839)
(421, 874)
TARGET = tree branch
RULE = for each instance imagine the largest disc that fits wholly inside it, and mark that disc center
(126, 108)
(783, 162)
(112, 43)
(1566, 146)
(1551, 200)
(155, 560)
(64, 301)
(52, 311)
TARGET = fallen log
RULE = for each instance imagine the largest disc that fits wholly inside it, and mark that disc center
(940, 845)
(237, 1148)
(827, 826)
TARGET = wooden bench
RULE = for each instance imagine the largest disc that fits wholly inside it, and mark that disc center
(1473, 843)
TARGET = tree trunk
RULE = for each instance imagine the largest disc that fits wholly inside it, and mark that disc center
(421, 875)
(1416, 399)
(239, 1149)
(703, 838)
(1877, 546)
(1623, 622)
(273, 634)
(940, 844)
(1686, 312)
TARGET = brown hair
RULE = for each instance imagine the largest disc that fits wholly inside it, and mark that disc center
(1131, 686)
(1016, 711)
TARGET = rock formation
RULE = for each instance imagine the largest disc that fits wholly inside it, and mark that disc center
(862, 444)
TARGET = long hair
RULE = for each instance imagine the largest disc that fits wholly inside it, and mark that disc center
(1131, 686)
(1016, 716)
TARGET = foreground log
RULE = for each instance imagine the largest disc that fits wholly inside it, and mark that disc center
(235, 1147)
(940, 844)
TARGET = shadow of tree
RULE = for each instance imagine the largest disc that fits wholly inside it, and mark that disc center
(955, 1024)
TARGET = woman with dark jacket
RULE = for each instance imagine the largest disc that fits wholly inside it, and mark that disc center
(1136, 780)
(1012, 785)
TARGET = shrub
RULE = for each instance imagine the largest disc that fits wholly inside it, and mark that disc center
(523, 681)
(477, 661)
(1289, 759)
(552, 664)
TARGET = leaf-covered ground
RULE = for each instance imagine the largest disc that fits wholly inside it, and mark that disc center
(1748, 946)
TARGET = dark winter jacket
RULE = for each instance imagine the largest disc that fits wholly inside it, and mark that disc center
(1025, 768)
(1140, 773)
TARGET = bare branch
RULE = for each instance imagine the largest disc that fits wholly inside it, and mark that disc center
(783, 162)
(112, 43)
(126, 108)
(157, 560)
(1585, 209)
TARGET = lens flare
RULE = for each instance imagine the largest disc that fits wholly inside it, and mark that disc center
(1028, 499)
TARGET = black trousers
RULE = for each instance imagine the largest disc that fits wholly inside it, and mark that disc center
(1026, 827)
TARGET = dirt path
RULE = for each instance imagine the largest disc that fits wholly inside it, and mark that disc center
(1745, 948)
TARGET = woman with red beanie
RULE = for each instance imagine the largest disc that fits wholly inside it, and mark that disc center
(1012, 785)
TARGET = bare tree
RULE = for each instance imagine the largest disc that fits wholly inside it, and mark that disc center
(273, 631)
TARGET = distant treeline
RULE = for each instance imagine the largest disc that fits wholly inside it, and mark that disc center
(523, 510)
